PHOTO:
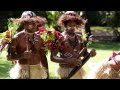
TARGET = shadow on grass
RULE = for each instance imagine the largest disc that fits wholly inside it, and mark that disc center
(105, 45)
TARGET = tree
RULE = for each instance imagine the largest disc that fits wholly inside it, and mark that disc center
(113, 20)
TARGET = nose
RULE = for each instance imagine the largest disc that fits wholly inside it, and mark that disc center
(72, 27)
(30, 26)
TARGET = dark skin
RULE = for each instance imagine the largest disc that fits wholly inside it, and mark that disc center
(72, 46)
(27, 47)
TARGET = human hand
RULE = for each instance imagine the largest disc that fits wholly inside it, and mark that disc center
(74, 62)
(27, 54)
(92, 53)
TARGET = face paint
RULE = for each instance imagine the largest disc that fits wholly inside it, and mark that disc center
(71, 27)
(31, 27)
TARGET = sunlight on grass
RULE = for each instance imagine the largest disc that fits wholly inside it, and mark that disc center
(52, 68)
(4, 66)
(101, 56)
(100, 28)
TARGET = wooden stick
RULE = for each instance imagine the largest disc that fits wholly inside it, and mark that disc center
(77, 68)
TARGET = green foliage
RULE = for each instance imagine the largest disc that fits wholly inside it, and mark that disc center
(84, 38)
(4, 16)
(94, 17)
(2, 35)
(106, 45)
(48, 36)
(101, 28)
(13, 26)
(99, 18)
(52, 17)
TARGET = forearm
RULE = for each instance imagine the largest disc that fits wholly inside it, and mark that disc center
(85, 53)
(92, 53)
(45, 66)
(44, 63)
(57, 59)
(12, 57)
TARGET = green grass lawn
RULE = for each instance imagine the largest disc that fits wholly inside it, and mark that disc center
(103, 49)
(100, 28)
(4, 66)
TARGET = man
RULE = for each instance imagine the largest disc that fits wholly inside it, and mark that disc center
(87, 28)
(108, 69)
(28, 49)
(72, 45)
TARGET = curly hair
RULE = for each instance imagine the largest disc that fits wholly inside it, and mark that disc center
(36, 19)
(70, 16)
(30, 16)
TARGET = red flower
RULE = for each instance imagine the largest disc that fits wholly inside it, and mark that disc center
(41, 29)
(57, 34)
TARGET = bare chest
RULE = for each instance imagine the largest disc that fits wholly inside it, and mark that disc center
(29, 43)
(71, 48)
